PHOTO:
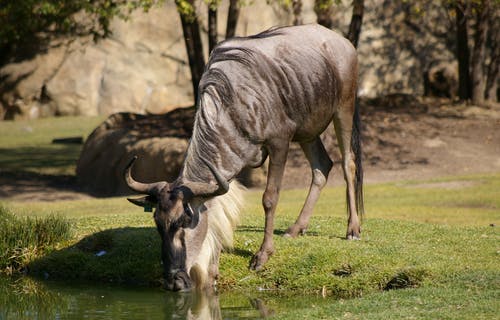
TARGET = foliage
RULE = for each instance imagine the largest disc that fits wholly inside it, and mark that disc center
(22, 239)
(187, 9)
(24, 21)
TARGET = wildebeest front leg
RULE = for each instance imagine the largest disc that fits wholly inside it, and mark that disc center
(321, 164)
(277, 158)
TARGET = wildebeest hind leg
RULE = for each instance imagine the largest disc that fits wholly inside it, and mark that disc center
(343, 122)
(278, 151)
(321, 164)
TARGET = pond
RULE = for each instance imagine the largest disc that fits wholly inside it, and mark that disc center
(26, 298)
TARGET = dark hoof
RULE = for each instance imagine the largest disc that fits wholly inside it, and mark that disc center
(258, 261)
(294, 232)
(353, 233)
(353, 237)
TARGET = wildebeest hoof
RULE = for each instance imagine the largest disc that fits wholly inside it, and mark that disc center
(294, 232)
(258, 260)
(353, 237)
(353, 232)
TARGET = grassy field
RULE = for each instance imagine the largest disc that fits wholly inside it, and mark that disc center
(429, 249)
(25, 146)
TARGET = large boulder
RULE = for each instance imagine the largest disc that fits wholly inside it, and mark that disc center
(160, 142)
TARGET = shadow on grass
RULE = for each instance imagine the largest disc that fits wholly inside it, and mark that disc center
(34, 169)
(123, 255)
(242, 252)
(52, 156)
(277, 232)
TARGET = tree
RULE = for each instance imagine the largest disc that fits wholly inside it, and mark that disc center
(478, 58)
(323, 10)
(356, 21)
(482, 10)
(462, 50)
(475, 83)
(212, 24)
(192, 34)
(32, 23)
(192, 39)
(232, 18)
(297, 12)
(493, 79)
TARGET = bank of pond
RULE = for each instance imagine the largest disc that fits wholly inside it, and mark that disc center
(425, 253)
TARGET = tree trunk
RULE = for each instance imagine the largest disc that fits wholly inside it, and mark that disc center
(194, 46)
(297, 12)
(323, 9)
(494, 66)
(212, 25)
(356, 21)
(232, 18)
(464, 82)
(478, 52)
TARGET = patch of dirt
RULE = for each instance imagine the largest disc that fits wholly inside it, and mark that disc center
(412, 138)
(404, 138)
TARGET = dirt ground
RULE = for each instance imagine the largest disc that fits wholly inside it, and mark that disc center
(404, 138)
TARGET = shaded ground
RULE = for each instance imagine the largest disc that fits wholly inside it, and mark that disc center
(404, 138)
(409, 138)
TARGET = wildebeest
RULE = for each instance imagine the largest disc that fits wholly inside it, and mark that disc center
(257, 94)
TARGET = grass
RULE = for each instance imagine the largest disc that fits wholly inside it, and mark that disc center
(23, 239)
(403, 267)
(25, 146)
(397, 250)
(429, 249)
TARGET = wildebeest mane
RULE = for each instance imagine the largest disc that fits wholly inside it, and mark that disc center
(215, 82)
(271, 32)
(217, 85)
(223, 216)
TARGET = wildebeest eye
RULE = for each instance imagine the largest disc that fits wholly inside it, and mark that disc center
(188, 217)
(187, 210)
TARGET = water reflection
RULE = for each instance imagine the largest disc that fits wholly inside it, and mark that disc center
(192, 306)
(26, 298)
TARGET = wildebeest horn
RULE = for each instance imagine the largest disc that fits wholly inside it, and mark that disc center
(208, 189)
(223, 183)
(144, 188)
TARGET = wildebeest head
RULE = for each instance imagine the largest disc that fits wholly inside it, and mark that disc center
(181, 221)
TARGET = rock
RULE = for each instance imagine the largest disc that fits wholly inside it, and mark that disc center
(441, 80)
(160, 142)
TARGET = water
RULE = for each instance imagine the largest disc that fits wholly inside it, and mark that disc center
(26, 298)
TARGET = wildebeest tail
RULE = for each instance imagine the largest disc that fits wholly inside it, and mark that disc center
(357, 150)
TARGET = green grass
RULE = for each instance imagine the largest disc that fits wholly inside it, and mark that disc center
(23, 239)
(26, 146)
(403, 267)
(429, 249)
(458, 240)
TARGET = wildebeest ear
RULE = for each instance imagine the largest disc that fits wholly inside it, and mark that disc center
(147, 202)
